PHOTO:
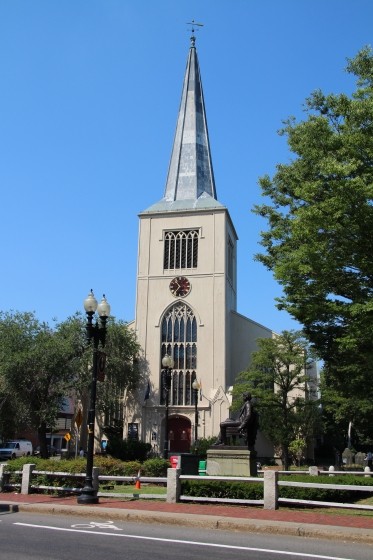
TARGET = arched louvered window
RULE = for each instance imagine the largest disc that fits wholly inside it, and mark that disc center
(180, 249)
(179, 340)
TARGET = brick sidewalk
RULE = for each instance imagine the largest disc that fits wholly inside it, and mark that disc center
(358, 521)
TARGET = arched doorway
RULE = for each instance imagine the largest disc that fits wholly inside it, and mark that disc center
(179, 430)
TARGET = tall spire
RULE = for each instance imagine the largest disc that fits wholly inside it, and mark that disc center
(190, 173)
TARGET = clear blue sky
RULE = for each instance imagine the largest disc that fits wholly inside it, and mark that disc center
(89, 96)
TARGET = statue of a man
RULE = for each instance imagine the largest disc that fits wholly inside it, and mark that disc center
(247, 424)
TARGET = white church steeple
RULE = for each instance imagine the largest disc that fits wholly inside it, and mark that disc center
(190, 181)
(190, 173)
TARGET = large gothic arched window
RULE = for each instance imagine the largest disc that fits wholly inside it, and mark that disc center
(179, 340)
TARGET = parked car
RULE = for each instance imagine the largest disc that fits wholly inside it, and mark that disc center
(52, 451)
(15, 448)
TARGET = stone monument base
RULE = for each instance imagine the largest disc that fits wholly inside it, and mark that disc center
(225, 460)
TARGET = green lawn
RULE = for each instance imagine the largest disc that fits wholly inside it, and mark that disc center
(130, 489)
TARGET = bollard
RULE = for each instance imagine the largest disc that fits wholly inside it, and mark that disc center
(331, 470)
(26, 478)
(367, 471)
(173, 485)
(271, 490)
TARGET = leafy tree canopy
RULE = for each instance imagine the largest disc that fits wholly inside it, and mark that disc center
(285, 393)
(319, 241)
(38, 369)
(41, 365)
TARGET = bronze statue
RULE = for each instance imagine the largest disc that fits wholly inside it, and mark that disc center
(247, 424)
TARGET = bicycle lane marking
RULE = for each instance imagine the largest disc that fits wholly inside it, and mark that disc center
(96, 525)
(195, 543)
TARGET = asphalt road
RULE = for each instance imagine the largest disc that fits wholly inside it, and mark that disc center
(52, 537)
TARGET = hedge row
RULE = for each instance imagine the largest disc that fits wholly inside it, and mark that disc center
(325, 494)
(108, 466)
(219, 489)
(254, 490)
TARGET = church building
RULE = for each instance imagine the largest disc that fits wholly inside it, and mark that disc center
(187, 294)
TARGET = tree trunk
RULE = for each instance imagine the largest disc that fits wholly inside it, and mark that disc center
(285, 458)
(42, 435)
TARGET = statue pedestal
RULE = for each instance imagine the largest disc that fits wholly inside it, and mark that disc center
(227, 460)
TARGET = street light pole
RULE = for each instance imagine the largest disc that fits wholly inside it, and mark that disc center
(195, 387)
(168, 364)
(96, 333)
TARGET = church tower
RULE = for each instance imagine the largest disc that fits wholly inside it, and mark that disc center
(186, 290)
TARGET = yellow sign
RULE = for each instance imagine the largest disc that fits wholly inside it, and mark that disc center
(67, 436)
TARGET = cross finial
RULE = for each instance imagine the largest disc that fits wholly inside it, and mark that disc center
(193, 37)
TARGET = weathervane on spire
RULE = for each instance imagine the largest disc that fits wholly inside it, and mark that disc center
(194, 24)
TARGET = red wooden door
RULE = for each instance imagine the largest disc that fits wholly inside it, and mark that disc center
(179, 434)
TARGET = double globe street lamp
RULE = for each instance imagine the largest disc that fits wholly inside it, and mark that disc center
(168, 364)
(96, 334)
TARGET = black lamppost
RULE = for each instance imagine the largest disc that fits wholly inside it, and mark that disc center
(96, 333)
(168, 364)
(195, 387)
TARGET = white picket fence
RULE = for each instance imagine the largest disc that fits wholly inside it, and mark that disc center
(269, 479)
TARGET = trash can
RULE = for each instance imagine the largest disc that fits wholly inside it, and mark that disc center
(189, 463)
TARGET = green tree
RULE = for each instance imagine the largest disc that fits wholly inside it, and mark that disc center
(319, 241)
(124, 373)
(286, 395)
(38, 367)
(297, 448)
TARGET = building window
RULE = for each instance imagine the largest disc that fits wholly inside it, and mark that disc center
(133, 431)
(179, 340)
(180, 249)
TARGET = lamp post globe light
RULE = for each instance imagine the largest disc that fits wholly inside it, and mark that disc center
(168, 364)
(195, 387)
(96, 334)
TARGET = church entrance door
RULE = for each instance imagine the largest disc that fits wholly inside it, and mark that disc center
(179, 430)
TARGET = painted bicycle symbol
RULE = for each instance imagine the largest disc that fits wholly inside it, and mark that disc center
(96, 525)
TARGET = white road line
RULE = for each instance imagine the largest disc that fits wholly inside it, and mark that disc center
(177, 541)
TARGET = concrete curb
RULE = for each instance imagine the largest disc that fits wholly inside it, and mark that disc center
(205, 521)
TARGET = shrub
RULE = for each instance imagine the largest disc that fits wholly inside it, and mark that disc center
(128, 449)
(218, 489)
(203, 445)
(324, 494)
(155, 467)
(109, 465)
(131, 468)
(254, 491)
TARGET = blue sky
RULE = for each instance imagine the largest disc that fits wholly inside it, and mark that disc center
(89, 96)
